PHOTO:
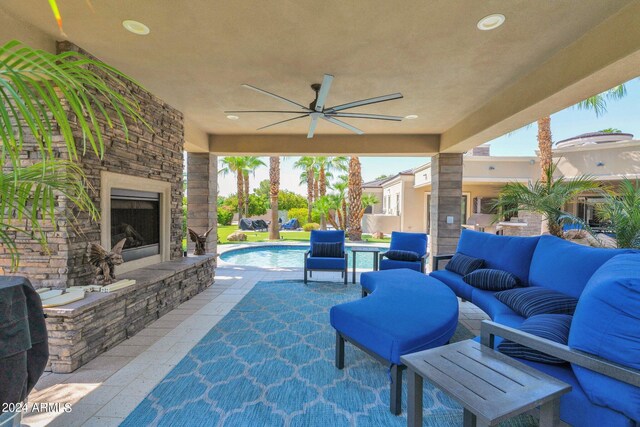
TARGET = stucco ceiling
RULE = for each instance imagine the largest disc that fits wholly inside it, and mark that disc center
(199, 52)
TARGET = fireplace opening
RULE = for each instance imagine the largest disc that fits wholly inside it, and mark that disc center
(135, 216)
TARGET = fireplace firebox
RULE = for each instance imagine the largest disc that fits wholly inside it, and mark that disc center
(135, 216)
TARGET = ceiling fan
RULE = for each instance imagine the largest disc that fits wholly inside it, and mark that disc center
(317, 110)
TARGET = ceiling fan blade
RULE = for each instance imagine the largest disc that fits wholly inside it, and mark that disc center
(366, 116)
(312, 126)
(273, 95)
(343, 124)
(263, 111)
(324, 91)
(364, 102)
(283, 121)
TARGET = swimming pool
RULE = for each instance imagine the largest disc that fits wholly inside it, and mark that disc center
(284, 256)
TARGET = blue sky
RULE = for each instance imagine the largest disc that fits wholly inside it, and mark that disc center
(623, 114)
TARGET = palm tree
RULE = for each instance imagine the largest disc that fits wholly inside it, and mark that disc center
(596, 103)
(250, 163)
(306, 164)
(622, 209)
(43, 92)
(235, 165)
(546, 197)
(274, 189)
(355, 194)
(341, 200)
(368, 200)
(324, 166)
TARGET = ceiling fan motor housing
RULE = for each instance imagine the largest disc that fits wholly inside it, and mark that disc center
(316, 87)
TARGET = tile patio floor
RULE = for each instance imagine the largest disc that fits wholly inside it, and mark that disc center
(103, 392)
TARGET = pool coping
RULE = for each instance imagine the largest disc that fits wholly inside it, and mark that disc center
(229, 247)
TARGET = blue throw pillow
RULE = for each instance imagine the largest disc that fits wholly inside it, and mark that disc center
(554, 327)
(463, 264)
(536, 300)
(327, 250)
(490, 279)
(399, 255)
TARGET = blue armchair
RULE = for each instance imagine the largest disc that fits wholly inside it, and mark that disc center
(326, 253)
(405, 242)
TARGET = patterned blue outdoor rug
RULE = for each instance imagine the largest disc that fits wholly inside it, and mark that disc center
(270, 362)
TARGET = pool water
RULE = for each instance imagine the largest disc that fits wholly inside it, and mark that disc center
(285, 256)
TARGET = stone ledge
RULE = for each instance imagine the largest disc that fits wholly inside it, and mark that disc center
(142, 276)
(80, 331)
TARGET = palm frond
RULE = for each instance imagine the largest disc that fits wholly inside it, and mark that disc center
(29, 194)
(38, 89)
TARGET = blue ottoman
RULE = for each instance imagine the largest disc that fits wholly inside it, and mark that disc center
(405, 312)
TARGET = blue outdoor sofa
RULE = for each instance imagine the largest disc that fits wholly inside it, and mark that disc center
(606, 322)
(327, 253)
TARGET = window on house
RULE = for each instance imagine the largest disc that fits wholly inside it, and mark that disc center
(397, 204)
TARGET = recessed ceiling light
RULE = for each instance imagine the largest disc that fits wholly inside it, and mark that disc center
(411, 117)
(491, 22)
(136, 27)
(232, 117)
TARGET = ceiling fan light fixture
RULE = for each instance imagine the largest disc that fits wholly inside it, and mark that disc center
(491, 22)
(136, 27)
(411, 117)
(232, 117)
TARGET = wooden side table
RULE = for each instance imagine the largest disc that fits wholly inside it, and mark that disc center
(490, 386)
(365, 249)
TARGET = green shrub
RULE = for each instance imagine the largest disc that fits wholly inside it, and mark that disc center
(311, 226)
(298, 213)
(301, 215)
(225, 215)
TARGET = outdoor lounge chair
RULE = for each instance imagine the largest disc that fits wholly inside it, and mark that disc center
(260, 225)
(292, 224)
(407, 250)
(326, 253)
(246, 224)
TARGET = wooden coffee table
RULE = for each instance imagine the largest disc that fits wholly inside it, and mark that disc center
(490, 386)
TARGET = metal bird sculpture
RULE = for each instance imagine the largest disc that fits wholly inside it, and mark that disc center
(105, 261)
(199, 240)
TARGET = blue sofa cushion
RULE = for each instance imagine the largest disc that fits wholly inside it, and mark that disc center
(535, 300)
(554, 327)
(565, 266)
(575, 407)
(321, 263)
(391, 264)
(607, 323)
(327, 249)
(405, 313)
(399, 255)
(455, 282)
(464, 264)
(371, 280)
(414, 242)
(327, 236)
(490, 279)
(512, 254)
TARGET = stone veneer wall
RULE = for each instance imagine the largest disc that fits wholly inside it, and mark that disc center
(155, 153)
(80, 331)
(533, 227)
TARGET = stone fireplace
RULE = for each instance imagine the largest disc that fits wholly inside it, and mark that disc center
(138, 187)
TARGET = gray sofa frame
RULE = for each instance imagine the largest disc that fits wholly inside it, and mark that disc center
(489, 330)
